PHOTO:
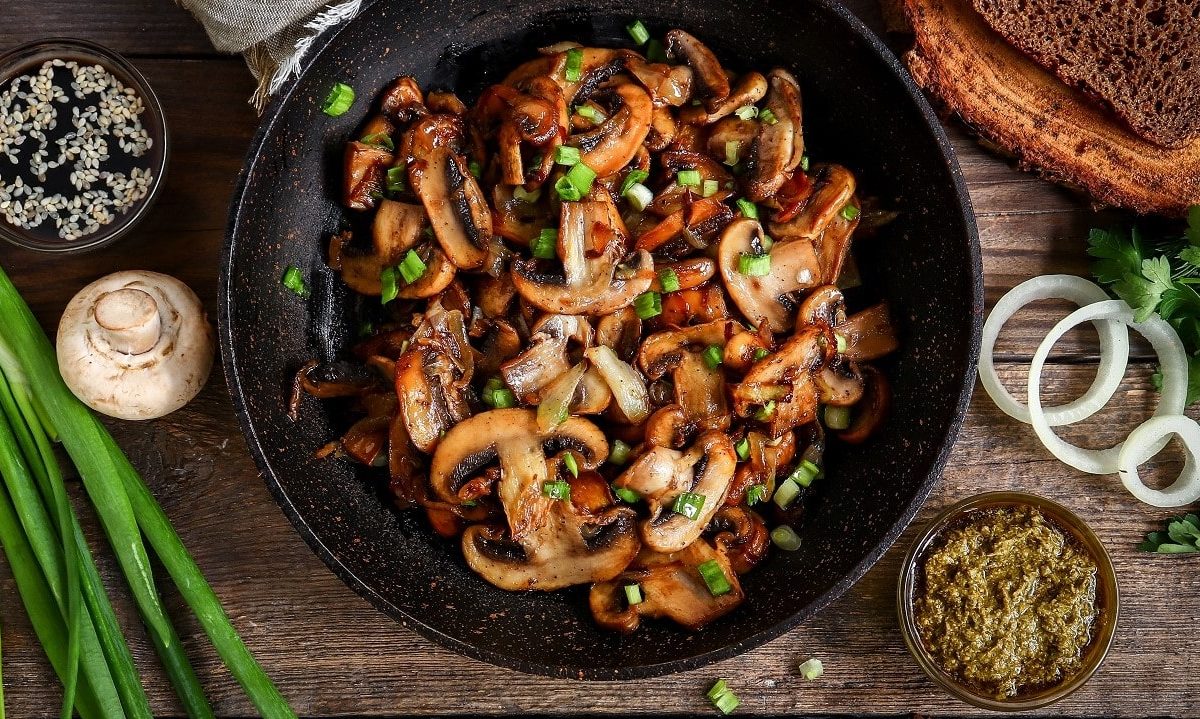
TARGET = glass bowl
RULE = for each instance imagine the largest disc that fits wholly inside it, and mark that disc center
(1107, 602)
(27, 59)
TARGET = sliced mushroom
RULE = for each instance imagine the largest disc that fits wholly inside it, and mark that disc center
(707, 69)
(780, 145)
(453, 200)
(397, 228)
(750, 89)
(699, 389)
(622, 331)
(593, 283)
(365, 168)
(661, 475)
(615, 141)
(833, 187)
(446, 103)
(786, 378)
(825, 306)
(662, 129)
(766, 298)
(743, 536)
(547, 355)
(704, 303)
(840, 383)
(363, 273)
(433, 375)
(500, 344)
(742, 133)
(871, 410)
(669, 85)
(869, 334)
(403, 100)
(672, 587)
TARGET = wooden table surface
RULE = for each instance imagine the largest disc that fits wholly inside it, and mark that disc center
(332, 654)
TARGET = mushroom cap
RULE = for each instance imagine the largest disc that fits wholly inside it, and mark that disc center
(141, 311)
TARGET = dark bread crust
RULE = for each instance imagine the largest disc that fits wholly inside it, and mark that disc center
(1016, 104)
(1140, 57)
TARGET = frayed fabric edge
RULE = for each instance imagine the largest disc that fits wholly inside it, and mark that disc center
(272, 74)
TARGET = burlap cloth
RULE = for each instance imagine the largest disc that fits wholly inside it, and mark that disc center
(273, 35)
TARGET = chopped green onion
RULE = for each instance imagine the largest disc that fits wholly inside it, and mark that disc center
(366, 328)
(571, 465)
(493, 383)
(397, 179)
(523, 195)
(689, 505)
(590, 113)
(709, 188)
(669, 280)
(475, 169)
(841, 343)
(573, 71)
(545, 245)
(294, 281)
(340, 98)
(767, 117)
(411, 268)
(742, 447)
(499, 397)
(647, 305)
(655, 51)
(638, 32)
(470, 503)
(785, 538)
(766, 242)
(723, 698)
(713, 356)
(766, 412)
(688, 178)
(747, 208)
(567, 191)
(566, 155)
(627, 495)
(718, 689)
(755, 494)
(804, 162)
(837, 417)
(760, 353)
(849, 212)
(786, 493)
(619, 454)
(732, 147)
(754, 265)
(380, 139)
(812, 669)
(633, 594)
(805, 473)
(389, 287)
(746, 112)
(633, 177)
(639, 197)
(557, 490)
(581, 176)
(715, 578)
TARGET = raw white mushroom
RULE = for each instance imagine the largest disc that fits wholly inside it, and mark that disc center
(135, 345)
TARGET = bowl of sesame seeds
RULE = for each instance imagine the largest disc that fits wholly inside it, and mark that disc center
(83, 146)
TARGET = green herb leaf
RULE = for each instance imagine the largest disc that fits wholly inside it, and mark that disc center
(1116, 255)
(1193, 225)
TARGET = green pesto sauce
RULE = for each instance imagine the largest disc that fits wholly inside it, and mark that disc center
(1007, 601)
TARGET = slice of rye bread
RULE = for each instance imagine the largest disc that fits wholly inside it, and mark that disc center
(1140, 57)
(1015, 103)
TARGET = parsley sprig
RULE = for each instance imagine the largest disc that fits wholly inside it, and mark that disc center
(1156, 276)
(1181, 536)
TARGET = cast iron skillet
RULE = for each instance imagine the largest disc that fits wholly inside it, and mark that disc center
(860, 110)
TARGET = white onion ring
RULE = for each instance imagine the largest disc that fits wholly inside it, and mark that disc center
(1114, 348)
(1172, 360)
(1139, 447)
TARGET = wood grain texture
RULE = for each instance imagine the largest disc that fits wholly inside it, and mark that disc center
(334, 655)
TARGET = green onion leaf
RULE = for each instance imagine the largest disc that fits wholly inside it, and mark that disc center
(669, 280)
(389, 286)
(688, 178)
(689, 505)
(499, 398)
(557, 490)
(589, 112)
(380, 139)
(754, 265)
(566, 155)
(638, 32)
(837, 417)
(760, 354)
(581, 176)
(718, 689)
(841, 343)
(639, 197)
(746, 112)
(294, 281)
(849, 212)
(411, 268)
(715, 578)
(755, 494)
(647, 305)
(766, 412)
(732, 147)
(742, 447)
(545, 245)
(786, 493)
(785, 538)
(571, 465)
(766, 242)
(767, 117)
(812, 669)
(340, 98)
(633, 594)
(804, 162)
(747, 208)
(713, 356)
(573, 71)
(475, 169)
(619, 454)
(805, 473)
(522, 195)
(566, 190)
(709, 188)
(627, 495)
(397, 179)
(632, 178)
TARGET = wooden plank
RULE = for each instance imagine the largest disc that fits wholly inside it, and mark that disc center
(131, 27)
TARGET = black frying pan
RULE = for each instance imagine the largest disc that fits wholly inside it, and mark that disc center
(861, 110)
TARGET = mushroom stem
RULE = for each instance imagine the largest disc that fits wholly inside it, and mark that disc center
(129, 320)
